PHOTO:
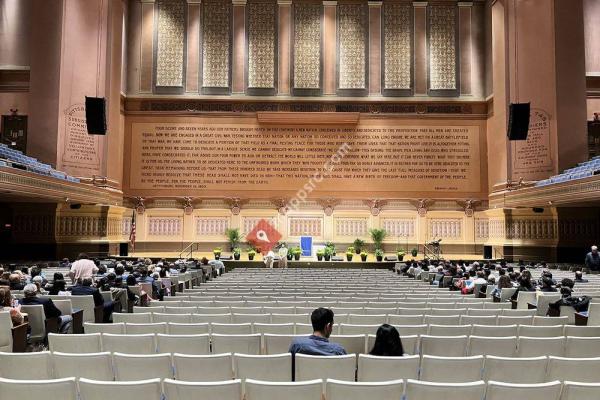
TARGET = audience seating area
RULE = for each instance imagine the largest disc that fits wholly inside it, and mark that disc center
(229, 339)
(16, 159)
(582, 170)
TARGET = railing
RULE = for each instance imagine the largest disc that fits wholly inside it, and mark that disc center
(188, 251)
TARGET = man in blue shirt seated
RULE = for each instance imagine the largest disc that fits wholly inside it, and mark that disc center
(318, 343)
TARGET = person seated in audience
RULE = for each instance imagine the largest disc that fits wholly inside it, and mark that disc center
(11, 305)
(387, 342)
(38, 281)
(15, 283)
(120, 273)
(525, 282)
(547, 285)
(58, 288)
(318, 343)
(50, 310)
(567, 282)
(132, 297)
(82, 268)
(579, 277)
(37, 271)
(503, 283)
(102, 271)
(85, 288)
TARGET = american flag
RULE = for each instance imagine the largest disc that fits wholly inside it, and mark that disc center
(132, 232)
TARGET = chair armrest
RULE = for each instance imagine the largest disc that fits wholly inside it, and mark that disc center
(580, 319)
(52, 325)
(99, 314)
(77, 316)
(19, 334)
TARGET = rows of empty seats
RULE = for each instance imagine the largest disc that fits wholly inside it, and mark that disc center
(582, 170)
(117, 366)
(15, 158)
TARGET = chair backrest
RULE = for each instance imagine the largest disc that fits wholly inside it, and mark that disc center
(211, 318)
(203, 368)
(533, 391)
(523, 298)
(77, 343)
(422, 390)
(541, 331)
(64, 305)
(507, 293)
(281, 329)
(494, 346)
(544, 300)
(100, 390)
(514, 320)
(541, 346)
(137, 318)
(573, 369)
(176, 328)
(323, 367)
(353, 344)
(449, 330)
(494, 331)
(550, 321)
(231, 329)
(451, 369)
(183, 344)
(594, 314)
(37, 321)
(178, 318)
(85, 303)
(444, 346)
(277, 344)
(379, 369)
(579, 391)
(116, 327)
(582, 347)
(6, 338)
(135, 367)
(224, 390)
(275, 368)
(342, 390)
(140, 329)
(243, 344)
(582, 331)
(129, 344)
(515, 370)
(262, 390)
(36, 365)
(88, 365)
(64, 389)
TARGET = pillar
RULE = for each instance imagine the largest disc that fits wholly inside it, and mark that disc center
(239, 47)
(329, 54)
(192, 66)
(420, 61)
(285, 22)
(375, 48)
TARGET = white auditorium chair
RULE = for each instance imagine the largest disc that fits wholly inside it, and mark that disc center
(543, 302)
(580, 391)
(309, 367)
(181, 310)
(532, 391)
(63, 389)
(204, 368)
(541, 330)
(451, 369)
(274, 368)
(244, 344)
(184, 344)
(37, 322)
(86, 303)
(524, 298)
(6, 336)
(277, 344)
(449, 330)
(409, 330)
(141, 329)
(176, 328)
(515, 370)
(262, 390)
(137, 367)
(139, 318)
(573, 369)
(151, 307)
(492, 346)
(278, 329)
(289, 318)
(442, 320)
(540, 346)
(211, 318)
(410, 344)
(36, 365)
(518, 313)
(96, 366)
(405, 319)
(582, 331)
(101, 390)
(550, 321)
(223, 390)
(359, 319)
(250, 318)
(231, 329)
(80, 343)
(478, 320)
(115, 327)
(514, 320)
(305, 329)
(379, 369)
(212, 310)
(444, 346)
(582, 347)
(423, 390)
(168, 318)
(353, 344)
(494, 331)
(129, 344)
(343, 390)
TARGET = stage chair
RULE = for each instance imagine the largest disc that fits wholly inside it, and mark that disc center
(379, 369)
(203, 368)
(451, 369)
(261, 390)
(343, 390)
(422, 390)
(116, 327)
(79, 343)
(274, 368)
(34, 366)
(99, 390)
(534, 391)
(515, 370)
(85, 365)
(224, 390)
(493, 346)
(129, 344)
(129, 367)
(63, 389)
(183, 344)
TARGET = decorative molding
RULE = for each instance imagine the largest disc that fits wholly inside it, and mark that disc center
(216, 46)
(398, 29)
(305, 226)
(248, 223)
(442, 29)
(140, 208)
(170, 39)
(164, 226)
(351, 227)
(482, 228)
(262, 45)
(450, 228)
(352, 52)
(306, 45)
(211, 226)
(532, 229)
(399, 227)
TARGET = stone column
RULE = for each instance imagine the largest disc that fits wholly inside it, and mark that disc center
(375, 47)
(192, 66)
(329, 54)
(147, 46)
(465, 10)
(283, 57)
(420, 47)
(239, 47)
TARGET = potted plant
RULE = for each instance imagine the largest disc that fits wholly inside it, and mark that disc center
(234, 237)
(297, 253)
(237, 252)
(217, 252)
(251, 254)
(414, 252)
(359, 244)
(327, 253)
(378, 235)
(379, 254)
(363, 255)
(400, 255)
(320, 254)
(331, 246)
(349, 253)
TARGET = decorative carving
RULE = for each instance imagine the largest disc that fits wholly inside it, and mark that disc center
(164, 226)
(170, 43)
(307, 45)
(139, 205)
(235, 204)
(351, 227)
(216, 26)
(188, 207)
(399, 227)
(211, 226)
(531, 229)
(261, 44)
(422, 207)
(468, 206)
(328, 205)
(281, 205)
(126, 226)
(305, 226)
(375, 206)
(482, 228)
(352, 27)
(445, 228)
(397, 45)
(442, 47)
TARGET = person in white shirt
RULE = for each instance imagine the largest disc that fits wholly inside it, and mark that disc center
(283, 252)
(82, 268)
(269, 258)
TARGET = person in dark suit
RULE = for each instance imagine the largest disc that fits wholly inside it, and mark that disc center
(50, 310)
(85, 288)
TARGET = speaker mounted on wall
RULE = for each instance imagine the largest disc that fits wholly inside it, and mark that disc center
(95, 115)
(518, 121)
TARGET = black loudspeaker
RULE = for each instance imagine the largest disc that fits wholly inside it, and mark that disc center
(518, 121)
(95, 115)
(487, 252)
(124, 249)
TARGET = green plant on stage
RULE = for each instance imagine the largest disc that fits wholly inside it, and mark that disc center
(414, 252)
(400, 255)
(320, 254)
(378, 253)
(237, 251)
(217, 250)
(251, 254)
(331, 246)
(359, 244)
(378, 236)
(350, 250)
(350, 253)
(363, 255)
(297, 252)
(234, 237)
